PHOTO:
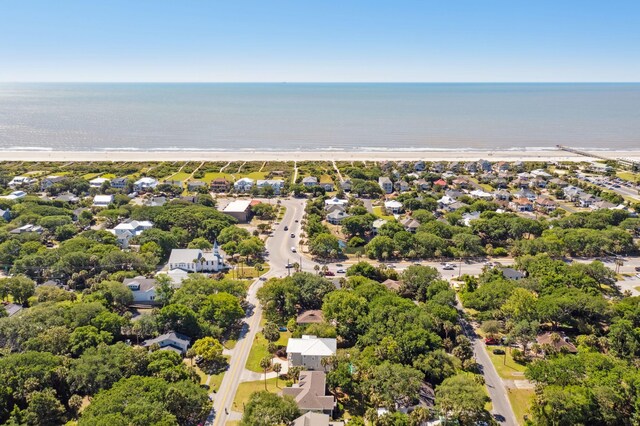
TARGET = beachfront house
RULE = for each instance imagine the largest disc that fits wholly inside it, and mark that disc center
(49, 181)
(310, 181)
(276, 184)
(220, 185)
(15, 195)
(19, 181)
(98, 182)
(243, 185)
(196, 260)
(5, 214)
(119, 183)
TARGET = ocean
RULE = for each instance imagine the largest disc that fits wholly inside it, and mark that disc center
(307, 117)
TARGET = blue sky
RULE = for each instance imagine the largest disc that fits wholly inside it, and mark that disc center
(321, 40)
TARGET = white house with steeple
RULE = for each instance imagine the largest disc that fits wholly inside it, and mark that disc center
(196, 260)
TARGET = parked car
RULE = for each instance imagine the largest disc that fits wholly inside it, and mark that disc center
(491, 341)
(498, 351)
(288, 265)
(293, 249)
(637, 267)
(293, 235)
(341, 271)
(286, 228)
(329, 274)
(448, 267)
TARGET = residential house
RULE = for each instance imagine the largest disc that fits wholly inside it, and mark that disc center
(512, 274)
(538, 182)
(67, 197)
(145, 184)
(327, 184)
(456, 205)
(502, 195)
(525, 193)
(220, 185)
(20, 181)
(468, 217)
(572, 193)
(419, 166)
(337, 216)
(439, 184)
(586, 200)
(460, 182)
(335, 201)
(484, 165)
(410, 224)
(386, 184)
(172, 182)
(438, 167)
(5, 214)
(11, 308)
(471, 167)
(392, 285)
(156, 201)
(502, 166)
(393, 206)
(310, 181)
(128, 229)
(194, 185)
(454, 166)
(377, 224)
(308, 351)
(602, 205)
(315, 419)
(98, 182)
(49, 181)
(541, 173)
(401, 186)
(346, 185)
(334, 208)
(143, 289)
(521, 205)
(312, 316)
(310, 393)
(559, 183)
(102, 201)
(119, 183)
(243, 185)
(239, 209)
(170, 341)
(422, 184)
(27, 228)
(545, 204)
(15, 195)
(276, 184)
(196, 260)
(480, 194)
(557, 341)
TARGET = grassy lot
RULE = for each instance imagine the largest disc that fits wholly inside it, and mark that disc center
(255, 175)
(378, 212)
(507, 368)
(247, 388)
(626, 175)
(181, 176)
(259, 349)
(521, 402)
(208, 177)
(247, 272)
(216, 379)
(90, 176)
(637, 288)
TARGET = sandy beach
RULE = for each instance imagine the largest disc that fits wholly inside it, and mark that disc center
(136, 156)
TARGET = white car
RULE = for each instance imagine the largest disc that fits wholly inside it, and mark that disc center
(448, 267)
(293, 249)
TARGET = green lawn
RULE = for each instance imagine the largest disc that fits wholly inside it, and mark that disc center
(521, 402)
(215, 381)
(255, 175)
(259, 349)
(208, 177)
(507, 368)
(181, 176)
(90, 176)
(378, 212)
(631, 177)
(247, 388)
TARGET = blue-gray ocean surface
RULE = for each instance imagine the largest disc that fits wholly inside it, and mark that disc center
(318, 116)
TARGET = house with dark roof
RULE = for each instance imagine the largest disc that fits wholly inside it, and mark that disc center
(557, 341)
(310, 393)
(143, 289)
(312, 316)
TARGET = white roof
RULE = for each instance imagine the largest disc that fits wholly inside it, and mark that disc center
(145, 180)
(378, 223)
(335, 201)
(393, 204)
(134, 224)
(312, 346)
(99, 180)
(102, 199)
(480, 193)
(245, 180)
(238, 206)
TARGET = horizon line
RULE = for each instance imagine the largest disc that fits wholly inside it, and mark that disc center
(309, 82)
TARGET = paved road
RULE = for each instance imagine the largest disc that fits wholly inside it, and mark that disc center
(501, 411)
(279, 247)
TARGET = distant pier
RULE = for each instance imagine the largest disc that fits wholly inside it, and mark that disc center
(622, 162)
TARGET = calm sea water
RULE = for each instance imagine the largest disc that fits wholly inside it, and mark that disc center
(318, 116)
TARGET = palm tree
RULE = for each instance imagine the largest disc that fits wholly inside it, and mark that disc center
(296, 267)
(325, 269)
(277, 367)
(265, 363)
(190, 354)
(316, 268)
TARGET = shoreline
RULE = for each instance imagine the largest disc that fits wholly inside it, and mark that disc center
(467, 155)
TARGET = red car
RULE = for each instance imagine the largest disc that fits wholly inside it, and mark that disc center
(491, 341)
(329, 274)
